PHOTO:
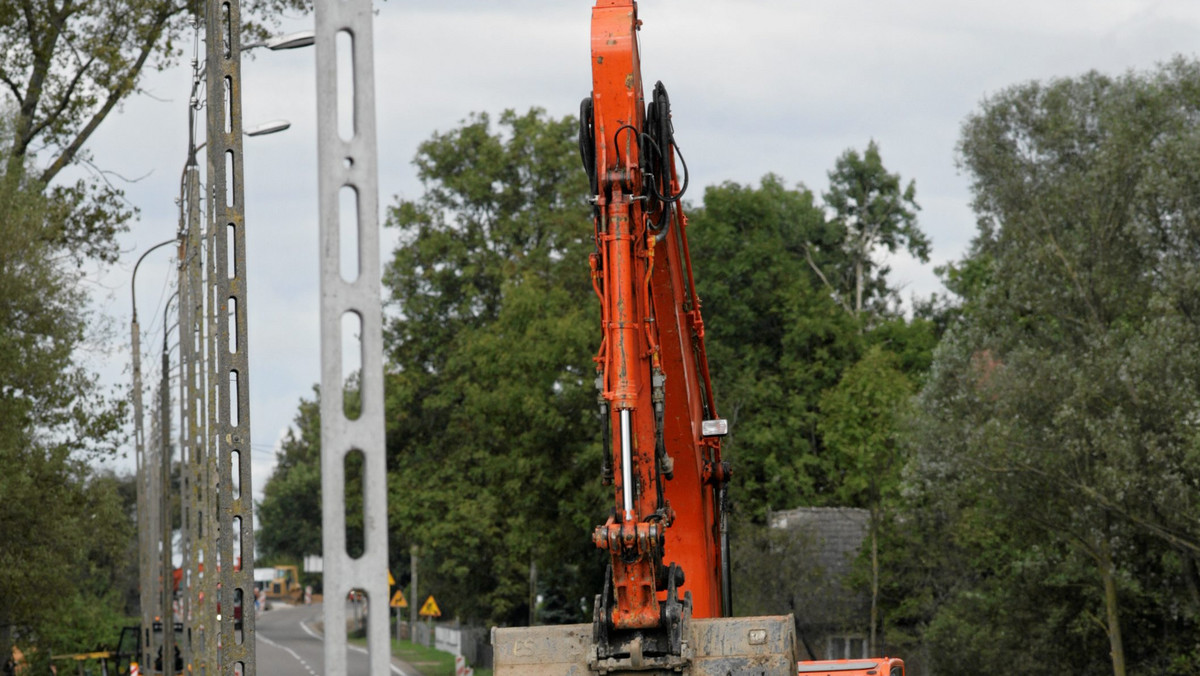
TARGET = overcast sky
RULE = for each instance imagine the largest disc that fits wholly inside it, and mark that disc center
(756, 86)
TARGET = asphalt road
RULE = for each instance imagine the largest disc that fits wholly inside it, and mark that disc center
(290, 644)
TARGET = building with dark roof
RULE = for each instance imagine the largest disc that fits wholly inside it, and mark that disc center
(832, 613)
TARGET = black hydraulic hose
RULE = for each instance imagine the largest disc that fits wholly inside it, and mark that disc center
(662, 133)
(587, 143)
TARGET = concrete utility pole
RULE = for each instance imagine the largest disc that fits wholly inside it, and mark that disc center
(154, 525)
(185, 479)
(199, 528)
(167, 570)
(347, 161)
(413, 603)
(214, 425)
(147, 502)
(231, 386)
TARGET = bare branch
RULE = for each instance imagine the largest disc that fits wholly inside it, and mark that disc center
(836, 296)
(105, 173)
(68, 94)
(12, 86)
(114, 97)
(43, 56)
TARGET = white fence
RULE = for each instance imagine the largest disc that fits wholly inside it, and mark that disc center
(469, 642)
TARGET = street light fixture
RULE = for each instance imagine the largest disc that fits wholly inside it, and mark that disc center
(269, 127)
(263, 129)
(289, 41)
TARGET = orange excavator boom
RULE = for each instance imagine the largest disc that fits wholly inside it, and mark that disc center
(668, 476)
(666, 603)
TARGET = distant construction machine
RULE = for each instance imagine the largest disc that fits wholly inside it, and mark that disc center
(283, 584)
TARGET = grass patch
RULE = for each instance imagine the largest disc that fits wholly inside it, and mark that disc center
(428, 661)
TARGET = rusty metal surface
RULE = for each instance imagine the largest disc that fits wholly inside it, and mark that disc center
(235, 548)
(735, 646)
(350, 164)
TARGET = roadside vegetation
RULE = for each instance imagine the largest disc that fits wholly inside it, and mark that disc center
(1027, 444)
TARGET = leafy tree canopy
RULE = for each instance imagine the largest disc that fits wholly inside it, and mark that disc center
(493, 439)
(780, 334)
(65, 530)
(1057, 423)
(65, 67)
(289, 515)
(492, 432)
(870, 212)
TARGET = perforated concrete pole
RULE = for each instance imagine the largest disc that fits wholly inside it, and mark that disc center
(235, 530)
(200, 646)
(346, 152)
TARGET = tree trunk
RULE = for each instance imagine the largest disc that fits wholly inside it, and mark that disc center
(872, 647)
(858, 283)
(1190, 576)
(5, 641)
(415, 602)
(1108, 574)
(532, 589)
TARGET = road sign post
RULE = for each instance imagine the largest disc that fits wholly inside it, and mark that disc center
(399, 603)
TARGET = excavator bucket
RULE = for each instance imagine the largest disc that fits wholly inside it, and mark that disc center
(729, 646)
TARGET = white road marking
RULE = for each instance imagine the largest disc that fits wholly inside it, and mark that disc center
(308, 630)
(288, 651)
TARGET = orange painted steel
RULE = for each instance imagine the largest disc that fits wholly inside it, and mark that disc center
(652, 352)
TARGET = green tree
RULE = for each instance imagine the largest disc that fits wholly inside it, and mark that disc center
(289, 515)
(776, 338)
(861, 423)
(1058, 421)
(65, 530)
(871, 210)
(493, 438)
(65, 67)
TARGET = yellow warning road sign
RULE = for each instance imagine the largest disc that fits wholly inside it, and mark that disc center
(398, 600)
(430, 608)
(391, 580)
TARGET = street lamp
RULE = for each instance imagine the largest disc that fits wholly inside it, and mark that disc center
(275, 43)
(289, 41)
(269, 127)
(263, 129)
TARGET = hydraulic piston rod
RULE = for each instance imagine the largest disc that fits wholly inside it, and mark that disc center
(626, 465)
